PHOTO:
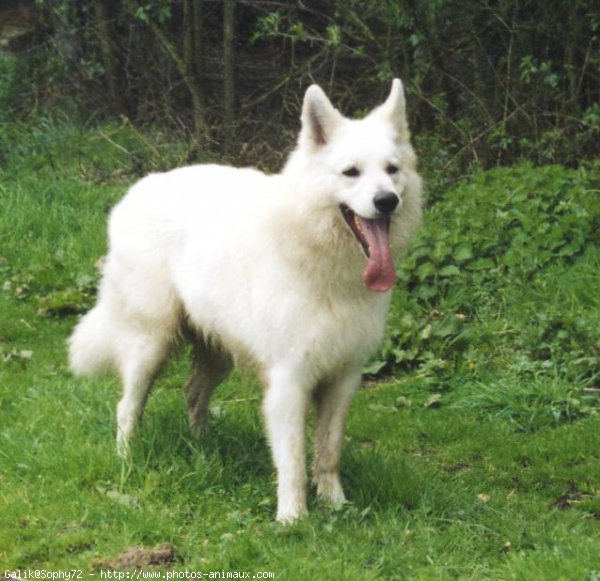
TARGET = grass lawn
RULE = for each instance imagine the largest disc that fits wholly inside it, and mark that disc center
(473, 451)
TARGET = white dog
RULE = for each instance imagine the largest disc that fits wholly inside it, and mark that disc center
(291, 273)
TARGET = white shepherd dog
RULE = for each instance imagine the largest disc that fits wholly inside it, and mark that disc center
(291, 273)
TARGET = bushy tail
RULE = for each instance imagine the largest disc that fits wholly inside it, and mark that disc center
(90, 345)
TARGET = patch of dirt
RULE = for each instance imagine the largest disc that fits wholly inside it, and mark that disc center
(139, 558)
(571, 497)
(458, 467)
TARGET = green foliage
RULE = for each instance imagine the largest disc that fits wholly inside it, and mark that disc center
(267, 26)
(503, 227)
(8, 79)
(499, 279)
(159, 10)
(531, 99)
(486, 86)
(530, 403)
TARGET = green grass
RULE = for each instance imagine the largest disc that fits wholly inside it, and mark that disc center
(474, 455)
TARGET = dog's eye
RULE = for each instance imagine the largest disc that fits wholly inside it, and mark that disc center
(391, 169)
(351, 172)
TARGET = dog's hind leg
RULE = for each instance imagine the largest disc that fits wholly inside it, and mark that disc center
(332, 401)
(211, 365)
(141, 358)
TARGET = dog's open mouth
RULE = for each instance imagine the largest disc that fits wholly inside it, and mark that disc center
(373, 236)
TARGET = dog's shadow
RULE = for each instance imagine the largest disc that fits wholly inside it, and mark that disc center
(233, 453)
(232, 449)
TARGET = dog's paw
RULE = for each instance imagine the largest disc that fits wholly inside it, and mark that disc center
(200, 423)
(329, 488)
(289, 517)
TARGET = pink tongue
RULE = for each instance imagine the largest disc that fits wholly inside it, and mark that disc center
(379, 274)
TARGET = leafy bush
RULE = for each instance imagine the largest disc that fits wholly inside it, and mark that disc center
(503, 275)
(505, 226)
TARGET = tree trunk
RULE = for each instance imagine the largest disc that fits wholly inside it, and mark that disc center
(229, 72)
(198, 41)
(200, 128)
(193, 58)
(105, 12)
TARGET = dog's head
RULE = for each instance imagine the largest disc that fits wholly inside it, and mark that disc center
(366, 168)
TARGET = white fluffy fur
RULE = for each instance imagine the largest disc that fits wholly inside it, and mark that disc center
(260, 269)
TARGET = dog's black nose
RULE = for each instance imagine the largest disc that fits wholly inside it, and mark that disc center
(386, 202)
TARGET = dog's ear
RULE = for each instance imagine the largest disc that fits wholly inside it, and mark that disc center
(319, 117)
(394, 109)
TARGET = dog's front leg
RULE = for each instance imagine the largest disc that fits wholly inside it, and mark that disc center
(285, 407)
(333, 401)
